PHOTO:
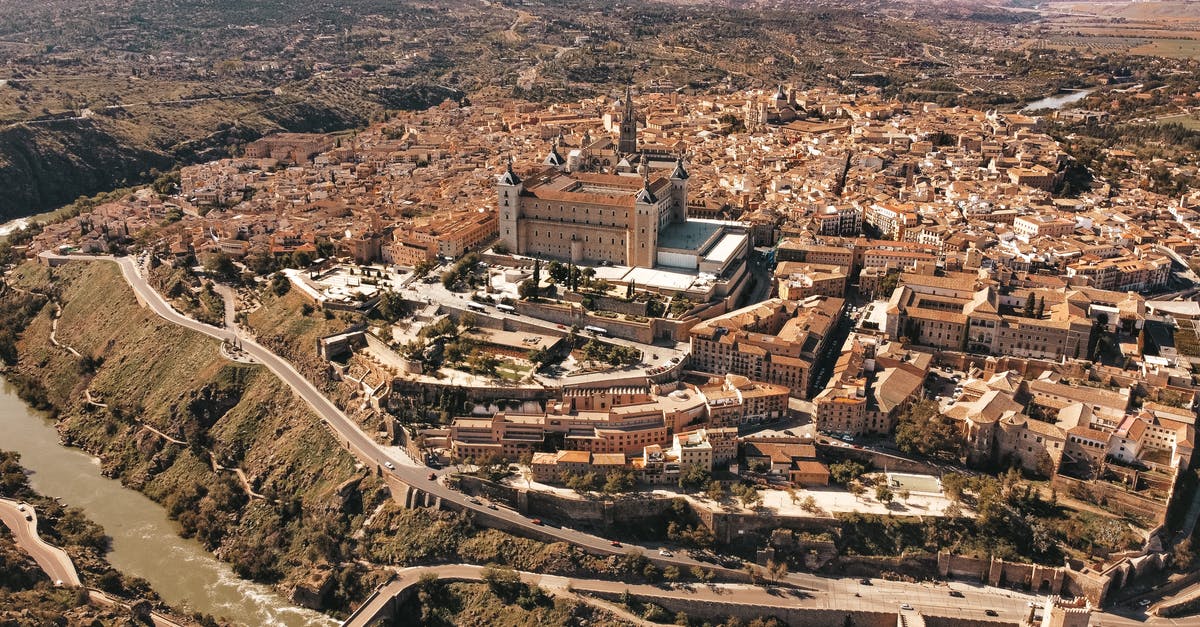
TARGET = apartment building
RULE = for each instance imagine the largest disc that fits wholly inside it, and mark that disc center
(1037, 225)
(873, 381)
(984, 324)
(775, 341)
(796, 280)
(1125, 273)
(737, 400)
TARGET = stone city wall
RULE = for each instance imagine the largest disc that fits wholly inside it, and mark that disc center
(1112, 497)
(792, 616)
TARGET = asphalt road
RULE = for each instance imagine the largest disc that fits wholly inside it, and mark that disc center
(53, 560)
(930, 599)
(839, 592)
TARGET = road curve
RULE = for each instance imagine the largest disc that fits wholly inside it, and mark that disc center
(53, 560)
(838, 592)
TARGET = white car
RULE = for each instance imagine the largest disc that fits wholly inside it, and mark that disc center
(665, 553)
(389, 465)
(905, 606)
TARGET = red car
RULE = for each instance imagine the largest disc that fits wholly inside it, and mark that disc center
(536, 521)
(432, 476)
(616, 544)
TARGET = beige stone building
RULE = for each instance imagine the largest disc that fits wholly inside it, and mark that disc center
(775, 341)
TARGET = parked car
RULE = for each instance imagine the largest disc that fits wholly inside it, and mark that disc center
(905, 606)
(615, 543)
(665, 553)
(389, 465)
(956, 594)
(536, 521)
(990, 612)
(432, 476)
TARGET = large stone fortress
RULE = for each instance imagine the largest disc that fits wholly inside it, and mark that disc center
(635, 218)
(589, 217)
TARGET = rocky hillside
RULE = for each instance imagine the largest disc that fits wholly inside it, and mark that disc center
(48, 164)
(170, 417)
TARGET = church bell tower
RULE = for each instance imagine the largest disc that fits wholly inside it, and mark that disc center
(627, 144)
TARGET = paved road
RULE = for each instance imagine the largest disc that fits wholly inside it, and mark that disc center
(837, 592)
(930, 599)
(53, 560)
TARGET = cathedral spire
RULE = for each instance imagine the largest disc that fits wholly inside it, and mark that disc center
(628, 139)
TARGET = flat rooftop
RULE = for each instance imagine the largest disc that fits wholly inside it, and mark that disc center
(690, 235)
(662, 278)
(726, 246)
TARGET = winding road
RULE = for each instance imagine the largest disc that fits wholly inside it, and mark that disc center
(22, 520)
(53, 560)
(842, 593)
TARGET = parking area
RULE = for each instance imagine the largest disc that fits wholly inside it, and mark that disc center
(944, 385)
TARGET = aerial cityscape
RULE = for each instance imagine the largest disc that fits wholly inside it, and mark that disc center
(684, 312)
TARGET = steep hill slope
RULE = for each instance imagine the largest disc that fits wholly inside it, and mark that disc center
(177, 419)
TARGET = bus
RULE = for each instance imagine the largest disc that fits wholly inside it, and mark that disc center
(474, 306)
(506, 308)
(596, 330)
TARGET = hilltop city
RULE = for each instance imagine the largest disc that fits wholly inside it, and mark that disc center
(794, 301)
(754, 341)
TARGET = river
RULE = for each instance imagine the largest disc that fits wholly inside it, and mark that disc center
(1059, 100)
(144, 541)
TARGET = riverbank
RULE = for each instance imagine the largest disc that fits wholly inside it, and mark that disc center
(41, 541)
(158, 378)
(1059, 100)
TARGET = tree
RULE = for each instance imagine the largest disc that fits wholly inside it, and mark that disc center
(220, 265)
(1027, 310)
(953, 510)
(954, 485)
(618, 482)
(503, 581)
(846, 471)
(1183, 556)
(557, 272)
(540, 357)
(856, 489)
(904, 494)
(888, 283)
(581, 484)
(777, 570)
(883, 493)
(1040, 308)
(716, 491)
(748, 495)
(693, 477)
(391, 306)
(528, 290)
(671, 573)
(922, 430)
